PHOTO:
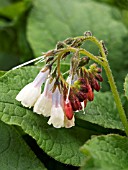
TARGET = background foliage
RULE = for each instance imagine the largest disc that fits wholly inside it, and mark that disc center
(28, 28)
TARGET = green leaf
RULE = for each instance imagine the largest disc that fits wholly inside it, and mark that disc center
(14, 152)
(14, 10)
(123, 4)
(53, 21)
(102, 111)
(14, 48)
(106, 152)
(4, 3)
(61, 144)
(126, 86)
(2, 73)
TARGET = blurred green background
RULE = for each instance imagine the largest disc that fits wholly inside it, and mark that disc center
(28, 28)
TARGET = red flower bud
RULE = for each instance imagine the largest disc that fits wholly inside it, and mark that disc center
(81, 96)
(99, 77)
(68, 110)
(84, 88)
(90, 93)
(95, 84)
(76, 105)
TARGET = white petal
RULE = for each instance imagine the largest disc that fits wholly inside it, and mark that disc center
(41, 78)
(69, 123)
(57, 117)
(28, 95)
(43, 105)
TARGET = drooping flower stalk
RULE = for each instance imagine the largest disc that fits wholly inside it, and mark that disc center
(62, 98)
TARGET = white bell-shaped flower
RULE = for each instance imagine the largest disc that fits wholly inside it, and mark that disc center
(57, 113)
(30, 93)
(44, 103)
(57, 117)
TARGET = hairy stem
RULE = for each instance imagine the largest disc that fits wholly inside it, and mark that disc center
(116, 97)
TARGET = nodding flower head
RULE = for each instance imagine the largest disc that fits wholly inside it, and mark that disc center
(44, 103)
(30, 93)
(57, 113)
(61, 98)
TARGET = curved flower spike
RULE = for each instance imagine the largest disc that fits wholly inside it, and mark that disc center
(30, 93)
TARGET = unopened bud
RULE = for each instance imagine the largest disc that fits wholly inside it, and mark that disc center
(99, 70)
(90, 93)
(84, 88)
(87, 33)
(68, 110)
(83, 61)
(99, 77)
(95, 84)
(69, 41)
(76, 105)
(59, 45)
(81, 96)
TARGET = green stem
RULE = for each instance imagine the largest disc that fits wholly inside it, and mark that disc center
(94, 40)
(116, 97)
(91, 56)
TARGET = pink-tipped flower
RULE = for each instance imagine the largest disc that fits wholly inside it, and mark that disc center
(69, 123)
(44, 103)
(57, 113)
(30, 93)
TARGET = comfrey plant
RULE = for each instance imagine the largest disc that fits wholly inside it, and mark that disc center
(62, 98)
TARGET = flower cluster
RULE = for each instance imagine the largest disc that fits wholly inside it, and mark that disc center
(61, 98)
(55, 101)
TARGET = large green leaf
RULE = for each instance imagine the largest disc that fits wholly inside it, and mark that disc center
(14, 47)
(61, 144)
(123, 4)
(102, 111)
(14, 10)
(14, 152)
(126, 86)
(106, 152)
